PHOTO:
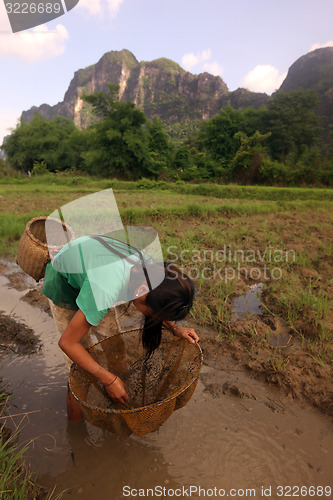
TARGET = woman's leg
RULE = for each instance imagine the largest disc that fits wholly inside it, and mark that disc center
(74, 412)
(61, 318)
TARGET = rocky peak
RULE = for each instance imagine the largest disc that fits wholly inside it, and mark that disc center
(160, 88)
(312, 71)
(163, 88)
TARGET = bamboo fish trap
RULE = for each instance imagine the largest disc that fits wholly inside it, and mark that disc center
(156, 387)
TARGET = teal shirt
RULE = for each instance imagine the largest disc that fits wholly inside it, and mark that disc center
(87, 276)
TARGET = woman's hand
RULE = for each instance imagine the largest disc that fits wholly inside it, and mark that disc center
(186, 333)
(116, 390)
(70, 343)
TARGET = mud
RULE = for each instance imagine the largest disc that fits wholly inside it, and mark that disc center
(270, 353)
(263, 344)
(236, 431)
(17, 337)
(35, 298)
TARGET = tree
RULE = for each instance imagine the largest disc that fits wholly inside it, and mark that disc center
(159, 140)
(293, 123)
(119, 142)
(246, 164)
(41, 140)
(160, 146)
(217, 136)
(220, 141)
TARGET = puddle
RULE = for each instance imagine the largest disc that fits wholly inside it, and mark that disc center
(235, 432)
(280, 337)
(247, 304)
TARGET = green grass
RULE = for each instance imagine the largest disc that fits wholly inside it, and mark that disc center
(200, 220)
(307, 303)
(211, 190)
(147, 201)
(257, 192)
(11, 229)
(207, 217)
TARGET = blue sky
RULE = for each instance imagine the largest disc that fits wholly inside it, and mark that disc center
(248, 43)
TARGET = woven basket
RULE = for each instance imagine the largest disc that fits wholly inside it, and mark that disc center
(33, 248)
(156, 387)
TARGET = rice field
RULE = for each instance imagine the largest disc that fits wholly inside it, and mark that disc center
(226, 238)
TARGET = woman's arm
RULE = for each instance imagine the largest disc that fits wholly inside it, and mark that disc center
(181, 331)
(70, 343)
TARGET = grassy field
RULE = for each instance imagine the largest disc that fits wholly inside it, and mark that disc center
(227, 238)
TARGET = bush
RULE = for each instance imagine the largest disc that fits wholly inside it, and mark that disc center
(6, 169)
(39, 168)
(273, 172)
(145, 183)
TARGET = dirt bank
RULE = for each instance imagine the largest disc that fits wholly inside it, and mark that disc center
(16, 337)
(290, 368)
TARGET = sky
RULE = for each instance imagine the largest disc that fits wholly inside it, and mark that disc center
(249, 44)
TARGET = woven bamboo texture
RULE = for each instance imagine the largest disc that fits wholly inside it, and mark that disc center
(156, 387)
(33, 248)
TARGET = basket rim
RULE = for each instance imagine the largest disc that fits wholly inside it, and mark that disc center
(44, 218)
(139, 408)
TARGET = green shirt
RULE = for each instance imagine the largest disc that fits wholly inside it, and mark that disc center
(87, 276)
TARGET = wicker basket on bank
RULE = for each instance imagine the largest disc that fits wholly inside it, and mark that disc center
(33, 248)
(156, 387)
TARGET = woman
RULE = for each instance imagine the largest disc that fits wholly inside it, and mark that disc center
(92, 274)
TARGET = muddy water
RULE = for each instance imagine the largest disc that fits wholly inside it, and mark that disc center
(247, 304)
(234, 433)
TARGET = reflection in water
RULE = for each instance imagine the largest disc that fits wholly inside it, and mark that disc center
(224, 442)
(247, 304)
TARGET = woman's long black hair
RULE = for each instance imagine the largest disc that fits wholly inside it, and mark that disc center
(169, 301)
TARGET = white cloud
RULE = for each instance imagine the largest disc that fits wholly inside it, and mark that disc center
(190, 60)
(114, 6)
(4, 21)
(214, 68)
(321, 45)
(94, 6)
(101, 7)
(263, 78)
(38, 44)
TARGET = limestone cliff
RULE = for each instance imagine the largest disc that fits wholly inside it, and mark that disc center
(160, 88)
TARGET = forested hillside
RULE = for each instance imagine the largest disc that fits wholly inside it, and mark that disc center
(161, 122)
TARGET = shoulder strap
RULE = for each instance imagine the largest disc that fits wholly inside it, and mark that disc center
(117, 252)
